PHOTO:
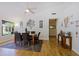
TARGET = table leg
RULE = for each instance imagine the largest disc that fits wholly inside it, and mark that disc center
(64, 41)
(70, 43)
(33, 39)
(32, 42)
(58, 38)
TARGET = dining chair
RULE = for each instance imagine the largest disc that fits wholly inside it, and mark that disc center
(18, 39)
(39, 34)
(25, 39)
(37, 38)
(26, 30)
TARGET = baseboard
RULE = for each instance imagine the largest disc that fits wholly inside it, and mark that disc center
(75, 51)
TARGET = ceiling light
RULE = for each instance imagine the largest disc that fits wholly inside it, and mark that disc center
(27, 10)
(16, 24)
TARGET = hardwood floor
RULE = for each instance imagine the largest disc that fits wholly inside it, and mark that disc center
(49, 48)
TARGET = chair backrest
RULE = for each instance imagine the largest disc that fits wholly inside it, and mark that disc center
(26, 30)
(17, 36)
(24, 36)
(38, 34)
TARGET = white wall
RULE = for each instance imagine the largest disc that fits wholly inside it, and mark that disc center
(72, 11)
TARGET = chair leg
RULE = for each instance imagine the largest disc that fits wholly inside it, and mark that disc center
(28, 44)
(20, 43)
(23, 43)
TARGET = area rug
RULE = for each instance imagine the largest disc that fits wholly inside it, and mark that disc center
(35, 48)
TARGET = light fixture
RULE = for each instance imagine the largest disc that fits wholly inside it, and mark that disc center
(27, 10)
(16, 24)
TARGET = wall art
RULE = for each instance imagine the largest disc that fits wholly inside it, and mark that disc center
(31, 23)
(41, 24)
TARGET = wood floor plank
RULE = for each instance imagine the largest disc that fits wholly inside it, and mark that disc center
(49, 48)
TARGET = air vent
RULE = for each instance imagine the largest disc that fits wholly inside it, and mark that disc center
(53, 13)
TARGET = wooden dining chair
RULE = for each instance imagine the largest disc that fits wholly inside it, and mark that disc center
(26, 30)
(37, 38)
(18, 39)
(26, 39)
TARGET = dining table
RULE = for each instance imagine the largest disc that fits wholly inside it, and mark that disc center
(33, 37)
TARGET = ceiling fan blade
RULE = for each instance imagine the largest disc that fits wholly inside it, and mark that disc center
(31, 11)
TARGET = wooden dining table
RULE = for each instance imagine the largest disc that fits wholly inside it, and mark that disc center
(33, 35)
(33, 38)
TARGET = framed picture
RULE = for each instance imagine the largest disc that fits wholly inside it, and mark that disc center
(31, 23)
(41, 24)
(66, 21)
(21, 24)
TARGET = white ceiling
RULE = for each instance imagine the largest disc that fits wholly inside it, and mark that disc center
(18, 8)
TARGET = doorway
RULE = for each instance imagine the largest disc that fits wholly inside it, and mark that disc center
(52, 27)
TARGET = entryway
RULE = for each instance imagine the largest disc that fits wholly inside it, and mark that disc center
(52, 27)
